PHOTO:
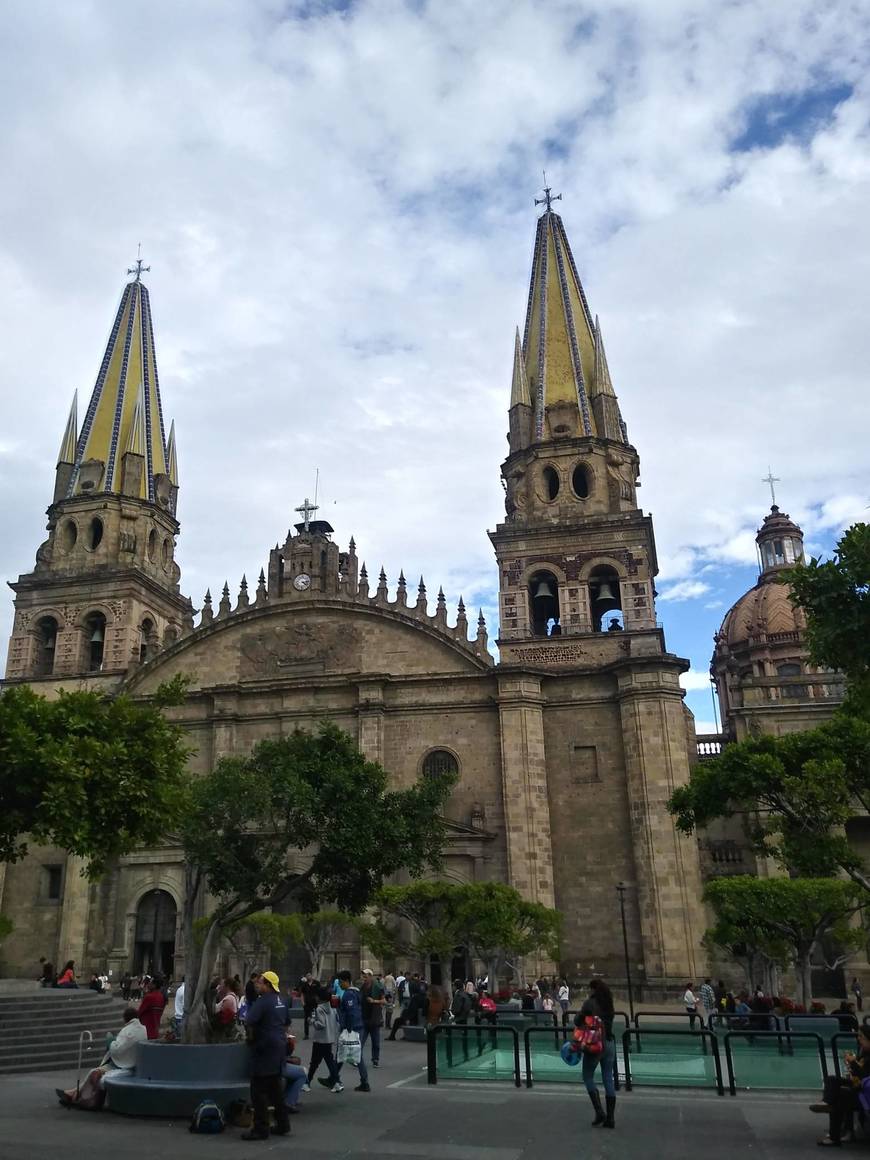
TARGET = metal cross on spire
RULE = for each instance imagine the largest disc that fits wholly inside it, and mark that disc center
(307, 510)
(139, 268)
(549, 196)
(770, 479)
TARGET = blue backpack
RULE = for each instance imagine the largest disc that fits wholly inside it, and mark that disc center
(208, 1118)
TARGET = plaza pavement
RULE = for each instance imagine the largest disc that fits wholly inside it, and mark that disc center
(405, 1118)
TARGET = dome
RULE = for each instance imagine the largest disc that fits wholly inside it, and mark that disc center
(763, 611)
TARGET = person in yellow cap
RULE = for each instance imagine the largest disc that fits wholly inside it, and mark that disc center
(266, 1024)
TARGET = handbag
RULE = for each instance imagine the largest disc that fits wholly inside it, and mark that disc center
(349, 1050)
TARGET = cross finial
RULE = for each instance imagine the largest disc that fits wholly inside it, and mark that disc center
(139, 267)
(770, 479)
(307, 510)
(549, 196)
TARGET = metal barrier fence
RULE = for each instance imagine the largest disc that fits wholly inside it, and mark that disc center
(850, 1035)
(688, 1034)
(481, 1039)
(562, 1069)
(769, 1035)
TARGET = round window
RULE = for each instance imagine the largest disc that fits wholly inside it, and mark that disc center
(580, 481)
(167, 552)
(440, 763)
(551, 483)
(69, 535)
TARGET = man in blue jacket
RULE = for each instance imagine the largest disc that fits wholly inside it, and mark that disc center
(266, 1024)
(350, 1018)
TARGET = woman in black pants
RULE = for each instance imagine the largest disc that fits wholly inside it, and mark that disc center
(840, 1099)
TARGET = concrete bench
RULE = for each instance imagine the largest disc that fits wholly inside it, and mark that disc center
(412, 1034)
(171, 1079)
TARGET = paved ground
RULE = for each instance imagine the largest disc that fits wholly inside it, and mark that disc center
(403, 1117)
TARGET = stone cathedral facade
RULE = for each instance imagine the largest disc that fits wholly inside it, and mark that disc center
(567, 749)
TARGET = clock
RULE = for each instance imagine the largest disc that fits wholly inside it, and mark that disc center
(302, 582)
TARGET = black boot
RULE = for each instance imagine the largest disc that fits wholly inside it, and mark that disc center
(599, 1111)
(611, 1108)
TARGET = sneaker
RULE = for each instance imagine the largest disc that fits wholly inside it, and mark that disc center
(376, 1063)
(363, 1087)
(327, 1083)
(339, 1087)
(306, 1087)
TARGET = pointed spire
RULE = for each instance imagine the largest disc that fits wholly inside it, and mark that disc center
(243, 600)
(364, 582)
(352, 545)
(481, 631)
(172, 456)
(207, 611)
(402, 591)
(67, 453)
(559, 341)
(382, 592)
(422, 605)
(262, 595)
(441, 607)
(224, 606)
(126, 395)
(461, 620)
(519, 382)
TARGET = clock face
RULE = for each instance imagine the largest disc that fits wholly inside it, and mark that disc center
(302, 581)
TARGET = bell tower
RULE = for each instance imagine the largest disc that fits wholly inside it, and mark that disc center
(103, 596)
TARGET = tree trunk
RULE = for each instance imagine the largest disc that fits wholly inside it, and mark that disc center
(804, 975)
(196, 1019)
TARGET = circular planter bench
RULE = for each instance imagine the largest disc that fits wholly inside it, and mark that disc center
(172, 1078)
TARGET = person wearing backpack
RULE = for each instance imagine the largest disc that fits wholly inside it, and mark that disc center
(599, 1005)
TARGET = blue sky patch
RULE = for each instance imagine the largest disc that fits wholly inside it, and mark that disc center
(774, 117)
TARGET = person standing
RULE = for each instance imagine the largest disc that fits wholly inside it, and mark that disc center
(350, 1017)
(708, 999)
(324, 1033)
(151, 1008)
(373, 1001)
(600, 1004)
(266, 1025)
(564, 997)
(178, 1010)
(389, 999)
(858, 993)
(690, 1002)
(309, 990)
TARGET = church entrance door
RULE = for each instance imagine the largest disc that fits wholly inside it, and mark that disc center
(154, 947)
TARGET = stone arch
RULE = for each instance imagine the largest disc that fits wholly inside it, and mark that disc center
(608, 561)
(163, 885)
(436, 749)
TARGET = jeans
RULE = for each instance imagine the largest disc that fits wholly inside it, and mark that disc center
(322, 1053)
(361, 1066)
(373, 1033)
(607, 1059)
(266, 1090)
(296, 1077)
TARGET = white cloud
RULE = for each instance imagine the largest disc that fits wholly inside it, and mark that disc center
(695, 679)
(702, 727)
(337, 208)
(685, 590)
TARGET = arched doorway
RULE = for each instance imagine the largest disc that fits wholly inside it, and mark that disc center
(154, 945)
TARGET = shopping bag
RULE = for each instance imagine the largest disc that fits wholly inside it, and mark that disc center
(349, 1050)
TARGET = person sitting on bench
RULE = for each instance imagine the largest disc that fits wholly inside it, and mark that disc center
(120, 1056)
(842, 1095)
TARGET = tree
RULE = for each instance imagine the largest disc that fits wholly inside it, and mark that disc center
(261, 933)
(318, 932)
(835, 594)
(304, 816)
(428, 908)
(95, 775)
(797, 792)
(785, 917)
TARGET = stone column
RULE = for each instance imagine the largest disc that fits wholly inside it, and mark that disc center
(668, 868)
(72, 939)
(371, 720)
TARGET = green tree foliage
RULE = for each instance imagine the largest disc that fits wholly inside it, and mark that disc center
(784, 920)
(835, 594)
(490, 919)
(274, 933)
(98, 776)
(797, 792)
(303, 817)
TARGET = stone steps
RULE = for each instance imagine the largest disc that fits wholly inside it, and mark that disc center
(39, 1031)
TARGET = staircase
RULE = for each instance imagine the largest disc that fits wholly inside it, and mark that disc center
(40, 1028)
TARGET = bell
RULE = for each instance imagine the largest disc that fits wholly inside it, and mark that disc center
(605, 592)
(50, 642)
(97, 635)
(543, 591)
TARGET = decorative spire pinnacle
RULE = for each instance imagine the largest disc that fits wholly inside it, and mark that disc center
(224, 606)
(770, 479)
(364, 581)
(421, 597)
(207, 611)
(243, 600)
(125, 395)
(481, 631)
(382, 592)
(352, 545)
(402, 590)
(67, 453)
(461, 619)
(172, 456)
(549, 197)
(519, 382)
(441, 607)
(262, 594)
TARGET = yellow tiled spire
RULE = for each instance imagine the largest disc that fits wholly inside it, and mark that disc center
(124, 413)
(562, 347)
(172, 456)
(519, 382)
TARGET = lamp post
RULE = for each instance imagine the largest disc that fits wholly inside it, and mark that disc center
(620, 890)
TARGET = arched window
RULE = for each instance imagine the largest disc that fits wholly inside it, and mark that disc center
(580, 481)
(551, 483)
(147, 640)
(440, 763)
(604, 597)
(46, 645)
(544, 604)
(95, 533)
(95, 641)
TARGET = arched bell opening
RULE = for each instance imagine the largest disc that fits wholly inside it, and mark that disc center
(605, 601)
(544, 604)
(46, 646)
(95, 641)
(148, 640)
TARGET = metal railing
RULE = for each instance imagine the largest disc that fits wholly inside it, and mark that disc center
(564, 1032)
(850, 1035)
(703, 1033)
(480, 1035)
(779, 1035)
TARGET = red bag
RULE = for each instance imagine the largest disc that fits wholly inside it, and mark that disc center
(590, 1037)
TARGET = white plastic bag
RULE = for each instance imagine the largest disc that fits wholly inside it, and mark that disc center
(349, 1050)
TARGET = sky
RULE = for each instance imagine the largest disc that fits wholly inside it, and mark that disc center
(336, 200)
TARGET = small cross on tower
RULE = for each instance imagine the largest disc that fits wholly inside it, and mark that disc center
(307, 510)
(770, 479)
(139, 268)
(548, 197)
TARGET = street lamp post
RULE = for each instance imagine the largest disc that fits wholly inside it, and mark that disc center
(620, 890)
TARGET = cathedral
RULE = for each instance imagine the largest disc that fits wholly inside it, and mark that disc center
(566, 750)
